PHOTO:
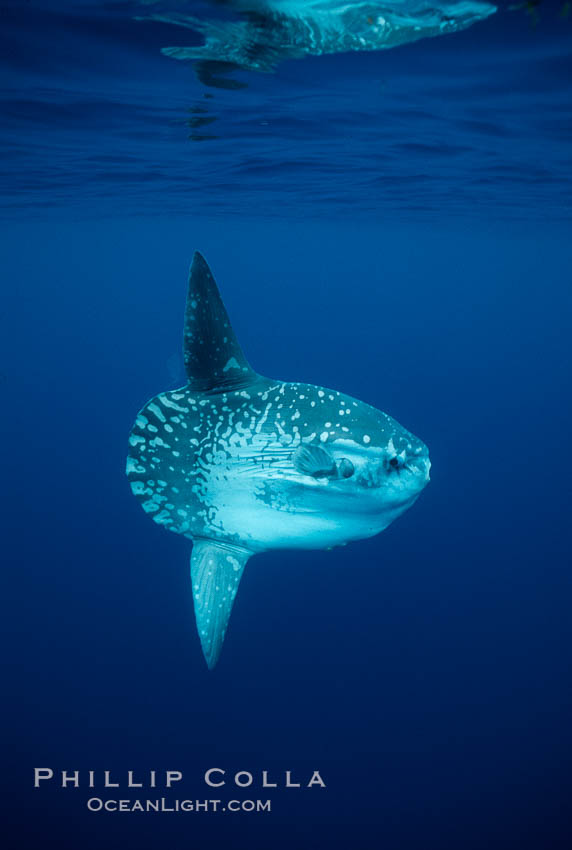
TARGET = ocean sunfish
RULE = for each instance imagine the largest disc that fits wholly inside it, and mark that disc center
(241, 464)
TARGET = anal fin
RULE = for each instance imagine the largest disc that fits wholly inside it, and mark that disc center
(216, 570)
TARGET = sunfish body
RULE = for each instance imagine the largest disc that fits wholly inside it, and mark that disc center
(241, 464)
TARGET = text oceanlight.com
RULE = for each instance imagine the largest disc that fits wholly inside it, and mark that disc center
(97, 804)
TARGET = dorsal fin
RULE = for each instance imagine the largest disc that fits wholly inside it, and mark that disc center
(213, 357)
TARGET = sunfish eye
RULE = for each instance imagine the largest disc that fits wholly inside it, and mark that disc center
(346, 468)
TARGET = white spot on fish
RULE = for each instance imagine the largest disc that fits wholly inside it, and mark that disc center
(133, 466)
(157, 411)
(168, 403)
(232, 363)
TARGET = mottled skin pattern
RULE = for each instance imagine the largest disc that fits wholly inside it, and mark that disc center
(240, 464)
(222, 466)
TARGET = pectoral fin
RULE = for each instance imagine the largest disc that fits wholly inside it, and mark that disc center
(318, 462)
(315, 461)
(216, 570)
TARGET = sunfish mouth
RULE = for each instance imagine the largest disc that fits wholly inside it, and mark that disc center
(420, 465)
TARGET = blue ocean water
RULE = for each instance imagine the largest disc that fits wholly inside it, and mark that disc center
(394, 224)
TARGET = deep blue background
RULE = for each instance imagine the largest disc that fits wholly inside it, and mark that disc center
(425, 672)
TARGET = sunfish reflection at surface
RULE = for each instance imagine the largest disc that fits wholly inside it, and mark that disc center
(271, 31)
(241, 464)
